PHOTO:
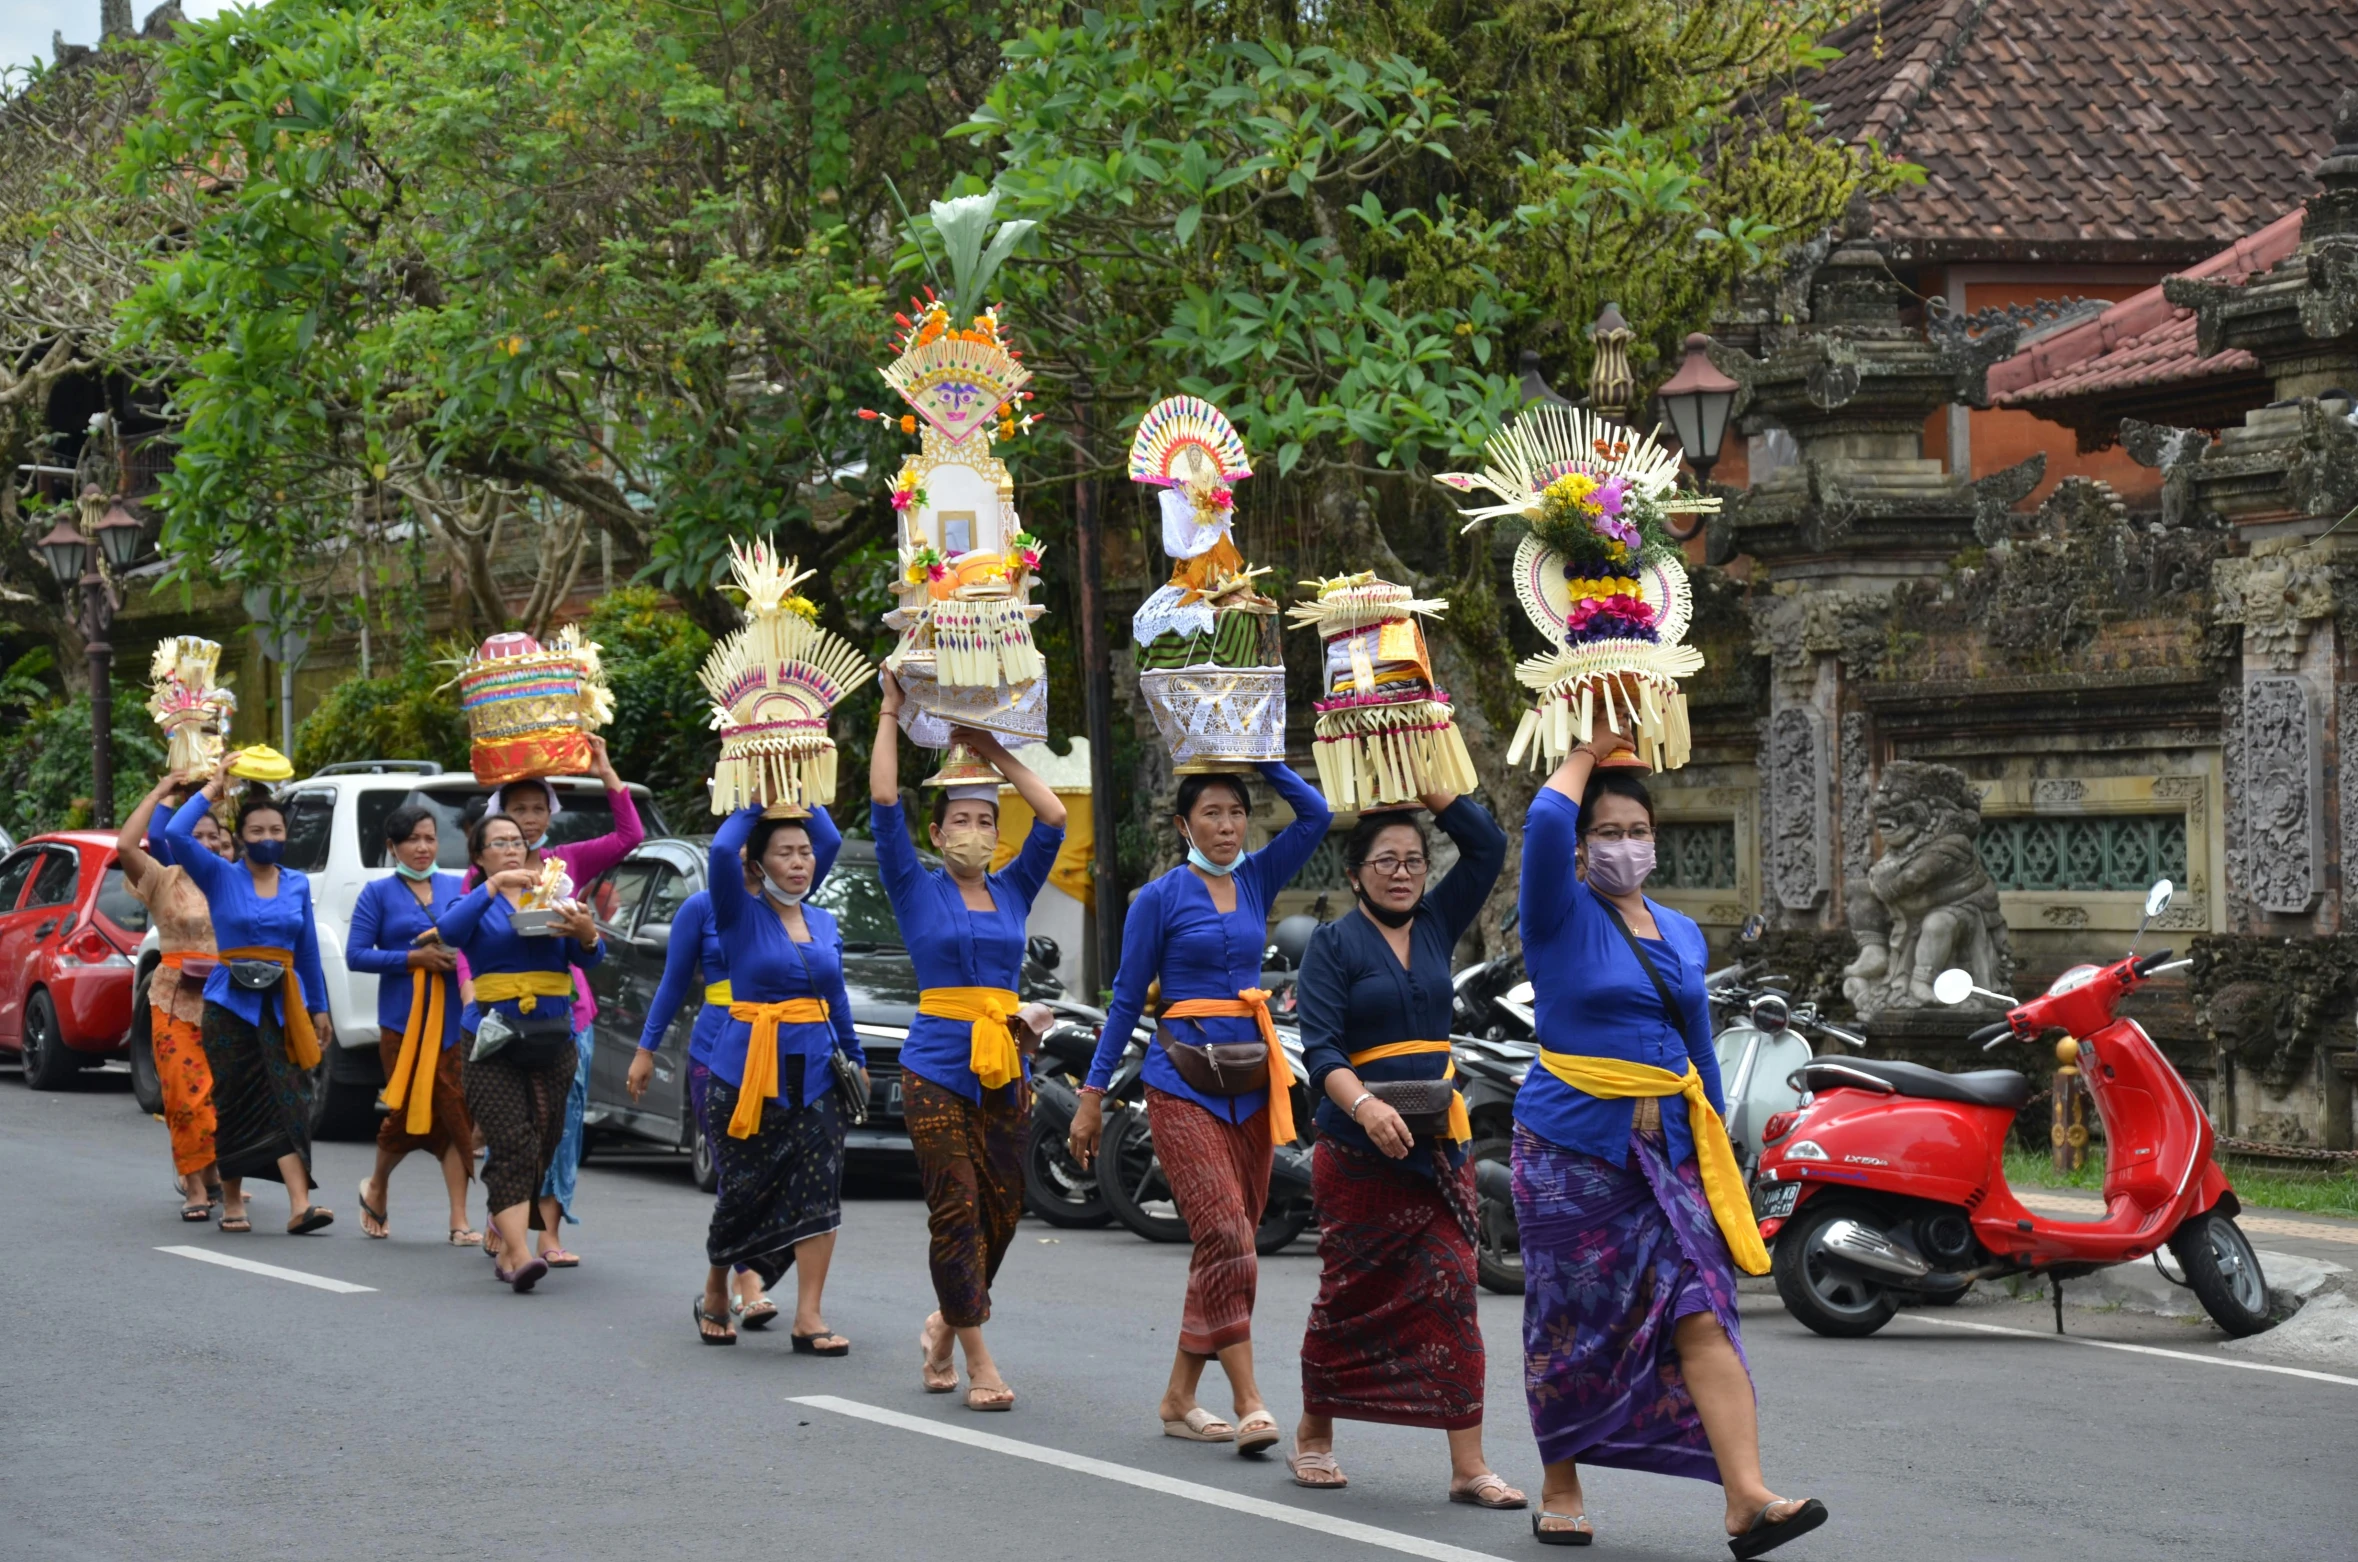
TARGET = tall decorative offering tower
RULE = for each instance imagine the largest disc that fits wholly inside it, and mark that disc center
(188, 703)
(964, 615)
(1210, 668)
(1384, 735)
(1599, 575)
(531, 708)
(772, 684)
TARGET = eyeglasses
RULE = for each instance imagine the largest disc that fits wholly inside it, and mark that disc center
(1397, 867)
(1614, 832)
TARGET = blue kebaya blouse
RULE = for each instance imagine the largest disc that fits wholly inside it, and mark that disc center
(951, 946)
(386, 922)
(1173, 932)
(479, 925)
(244, 919)
(1591, 996)
(766, 965)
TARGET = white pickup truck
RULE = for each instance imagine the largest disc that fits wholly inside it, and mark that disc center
(335, 834)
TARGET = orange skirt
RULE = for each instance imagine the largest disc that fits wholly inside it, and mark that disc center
(179, 1047)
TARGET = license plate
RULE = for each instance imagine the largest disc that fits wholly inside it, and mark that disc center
(1774, 1200)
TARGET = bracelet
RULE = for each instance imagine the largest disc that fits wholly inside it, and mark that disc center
(1365, 1096)
(1093, 1090)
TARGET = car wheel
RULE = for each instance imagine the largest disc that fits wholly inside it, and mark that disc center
(49, 1063)
(147, 1086)
(701, 1163)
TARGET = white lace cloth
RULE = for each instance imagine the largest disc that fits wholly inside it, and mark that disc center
(1163, 614)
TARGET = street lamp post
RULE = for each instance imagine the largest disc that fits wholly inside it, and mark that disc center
(1697, 401)
(111, 533)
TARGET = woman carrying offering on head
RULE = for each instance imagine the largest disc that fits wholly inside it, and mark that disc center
(1393, 1335)
(533, 805)
(265, 1014)
(393, 935)
(516, 1076)
(965, 1095)
(1633, 1214)
(176, 994)
(1200, 930)
(767, 1095)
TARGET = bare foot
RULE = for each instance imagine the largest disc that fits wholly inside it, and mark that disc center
(934, 1367)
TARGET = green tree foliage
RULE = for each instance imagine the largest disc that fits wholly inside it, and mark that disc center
(661, 736)
(410, 713)
(45, 778)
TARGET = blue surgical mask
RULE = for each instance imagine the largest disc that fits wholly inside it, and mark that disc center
(1197, 859)
(543, 841)
(414, 875)
(267, 853)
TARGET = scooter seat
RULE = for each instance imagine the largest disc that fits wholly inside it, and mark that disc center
(1983, 1087)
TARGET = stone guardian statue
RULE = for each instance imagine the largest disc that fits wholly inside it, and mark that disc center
(1927, 903)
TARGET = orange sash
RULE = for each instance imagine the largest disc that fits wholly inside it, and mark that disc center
(1252, 1001)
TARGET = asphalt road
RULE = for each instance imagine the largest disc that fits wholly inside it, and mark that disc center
(152, 1406)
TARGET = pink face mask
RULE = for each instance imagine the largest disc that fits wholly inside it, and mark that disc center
(1618, 867)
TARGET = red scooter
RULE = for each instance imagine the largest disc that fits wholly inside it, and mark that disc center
(1889, 1181)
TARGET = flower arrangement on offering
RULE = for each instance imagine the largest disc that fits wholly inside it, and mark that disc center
(773, 684)
(1384, 733)
(531, 708)
(1210, 666)
(187, 703)
(1599, 574)
(964, 616)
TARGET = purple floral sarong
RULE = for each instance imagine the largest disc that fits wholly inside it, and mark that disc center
(1613, 1257)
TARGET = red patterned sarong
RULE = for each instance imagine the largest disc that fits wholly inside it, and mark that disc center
(1393, 1334)
(179, 1047)
(1219, 1176)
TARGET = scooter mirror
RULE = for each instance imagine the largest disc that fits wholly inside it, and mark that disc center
(1754, 926)
(1953, 986)
(2157, 899)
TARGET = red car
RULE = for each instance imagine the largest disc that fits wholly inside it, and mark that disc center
(68, 926)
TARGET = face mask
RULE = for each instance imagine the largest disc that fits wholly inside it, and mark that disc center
(541, 842)
(1197, 859)
(1385, 914)
(414, 875)
(969, 851)
(778, 892)
(266, 853)
(1618, 867)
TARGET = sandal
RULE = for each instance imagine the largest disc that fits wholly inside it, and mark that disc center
(312, 1218)
(465, 1236)
(384, 1226)
(808, 1344)
(1304, 1465)
(523, 1279)
(196, 1214)
(759, 1316)
(236, 1223)
(1761, 1536)
(558, 1258)
(1256, 1433)
(931, 1369)
(1487, 1490)
(1197, 1426)
(999, 1398)
(706, 1323)
(1562, 1537)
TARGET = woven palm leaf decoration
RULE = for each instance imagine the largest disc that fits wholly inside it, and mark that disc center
(1599, 575)
(1384, 733)
(1183, 440)
(773, 684)
(188, 702)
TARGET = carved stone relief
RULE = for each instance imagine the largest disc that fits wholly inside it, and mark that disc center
(1799, 826)
(2281, 802)
(2346, 775)
(1927, 903)
(1858, 816)
(1794, 631)
(2277, 595)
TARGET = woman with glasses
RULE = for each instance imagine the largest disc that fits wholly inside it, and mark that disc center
(1200, 931)
(265, 1002)
(1393, 1335)
(518, 1032)
(694, 962)
(1632, 1212)
(393, 937)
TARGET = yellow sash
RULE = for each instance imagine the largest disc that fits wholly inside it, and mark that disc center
(302, 1040)
(761, 1054)
(1252, 1001)
(526, 988)
(421, 1050)
(718, 994)
(1723, 1183)
(1460, 1127)
(994, 1057)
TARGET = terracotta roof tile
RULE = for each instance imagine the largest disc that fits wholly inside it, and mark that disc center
(2090, 130)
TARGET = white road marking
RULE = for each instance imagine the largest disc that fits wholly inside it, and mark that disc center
(1213, 1496)
(2143, 1350)
(316, 1282)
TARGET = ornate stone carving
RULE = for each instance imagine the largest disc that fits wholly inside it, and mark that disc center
(2281, 766)
(2277, 595)
(2346, 774)
(1792, 631)
(1927, 903)
(2267, 1002)
(1797, 808)
(1858, 816)
(2061, 793)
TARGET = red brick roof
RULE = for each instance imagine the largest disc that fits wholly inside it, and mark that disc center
(2092, 130)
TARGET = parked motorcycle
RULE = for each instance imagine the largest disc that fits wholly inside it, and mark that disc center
(1055, 1188)
(1889, 1181)
(1489, 1072)
(1762, 1050)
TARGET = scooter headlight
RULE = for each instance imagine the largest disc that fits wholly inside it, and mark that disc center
(1805, 1150)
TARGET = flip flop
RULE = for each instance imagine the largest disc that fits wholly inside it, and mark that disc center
(928, 1366)
(1256, 1433)
(1562, 1537)
(757, 1317)
(1322, 1464)
(558, 1258)
(1488, 1490)
(808, 1344)
(312, 1218)
(696, 1306)
(385, 1227)
(1761, 1537)
(991, 1399)
(196, 1214)
(1196, 1427)
(236, 1223)
(524, 1279)
(465, 1236)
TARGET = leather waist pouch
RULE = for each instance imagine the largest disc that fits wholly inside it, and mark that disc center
(1423, 1104)
(1217, 1068)
(256, 976)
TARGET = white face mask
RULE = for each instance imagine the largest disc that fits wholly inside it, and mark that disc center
(777, 892)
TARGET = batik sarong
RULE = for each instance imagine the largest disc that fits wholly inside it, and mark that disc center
(970, 1158)
(1219, 1176)
(780, 1185)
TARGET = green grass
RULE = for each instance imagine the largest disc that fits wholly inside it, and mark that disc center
(2257, 1184)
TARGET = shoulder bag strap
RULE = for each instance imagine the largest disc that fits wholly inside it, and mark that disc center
(1661, 988)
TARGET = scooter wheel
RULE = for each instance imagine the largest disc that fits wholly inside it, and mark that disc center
(1827, 1298)
(2223, 1272)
